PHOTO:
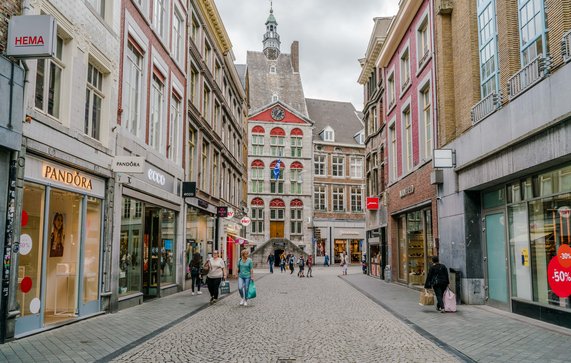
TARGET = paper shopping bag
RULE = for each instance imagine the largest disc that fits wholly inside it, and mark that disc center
(426, 298)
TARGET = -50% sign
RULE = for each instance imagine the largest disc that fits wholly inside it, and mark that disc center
(559, 272)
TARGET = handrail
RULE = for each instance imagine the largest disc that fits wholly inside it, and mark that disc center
(486, 107)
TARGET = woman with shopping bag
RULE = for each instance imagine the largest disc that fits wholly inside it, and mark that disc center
(437, 279)
(245, 275)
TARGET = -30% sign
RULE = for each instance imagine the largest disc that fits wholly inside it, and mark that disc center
(559, 272)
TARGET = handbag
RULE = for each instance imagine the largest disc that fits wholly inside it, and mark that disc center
(449, 301)
(206, 268)
(251, 290)
(426, 298)
(225, 287)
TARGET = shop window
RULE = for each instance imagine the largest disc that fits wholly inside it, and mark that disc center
(30, 258)
(494, 198)
(415, 254)
(168, 246)
(403, 268)
(92, 251)
(130, 247)
(519, 247)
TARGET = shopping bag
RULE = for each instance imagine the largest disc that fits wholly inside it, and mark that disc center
(449, 301)
(426, 298)
(251, 290)
(225, 287)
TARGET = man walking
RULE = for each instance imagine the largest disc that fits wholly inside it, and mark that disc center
(326, 260)
(344, 263)
(270, 261)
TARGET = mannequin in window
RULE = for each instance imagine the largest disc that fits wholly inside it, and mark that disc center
(57, 237)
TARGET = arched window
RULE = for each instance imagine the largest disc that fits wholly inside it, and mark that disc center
(257, 214)
(296, 217)
(277, 179)
(277, 141)
(257, 176)
(296, 169)
(258, 140)
(277, 210)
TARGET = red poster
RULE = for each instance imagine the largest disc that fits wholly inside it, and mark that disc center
(559, 272)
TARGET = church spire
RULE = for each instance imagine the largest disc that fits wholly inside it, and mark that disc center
(271, 38)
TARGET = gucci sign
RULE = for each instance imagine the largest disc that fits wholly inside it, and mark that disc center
(156, 177)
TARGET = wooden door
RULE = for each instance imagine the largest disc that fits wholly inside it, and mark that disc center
(276, 229)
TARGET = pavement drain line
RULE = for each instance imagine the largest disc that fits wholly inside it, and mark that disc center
(447, 348)
(154, 333)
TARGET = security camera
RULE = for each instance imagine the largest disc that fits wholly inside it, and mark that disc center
(438, 198)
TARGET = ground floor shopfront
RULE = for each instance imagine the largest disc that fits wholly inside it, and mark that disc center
(59, 261)
(377, 252)
(337, 237)
(525, 222)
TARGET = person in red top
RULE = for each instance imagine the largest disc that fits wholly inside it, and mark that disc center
(310, 266)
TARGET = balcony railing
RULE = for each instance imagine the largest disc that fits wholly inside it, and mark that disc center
(486, 107)
(529, 75)
(424, 57)
(566, 46)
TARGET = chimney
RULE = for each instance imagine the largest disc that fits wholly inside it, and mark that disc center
(295, 56)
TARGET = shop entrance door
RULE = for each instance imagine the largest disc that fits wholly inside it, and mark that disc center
(151, 253)
(277, 229)
(496, 260)
(277, 254)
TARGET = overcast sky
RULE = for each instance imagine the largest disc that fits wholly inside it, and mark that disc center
(332, 35)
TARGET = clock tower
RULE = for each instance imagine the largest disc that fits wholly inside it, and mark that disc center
(271, 38)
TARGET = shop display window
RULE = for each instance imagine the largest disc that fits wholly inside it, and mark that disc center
(415, 254)
(31, 242)
(92, 250)
(403, 268)
(130, 246)
(64, 239)
(168, 246)
(340, 247)
(520, 266)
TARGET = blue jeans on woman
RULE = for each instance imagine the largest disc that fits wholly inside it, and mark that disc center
(243, 285)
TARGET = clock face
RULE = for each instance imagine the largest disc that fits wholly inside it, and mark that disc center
(278, 113)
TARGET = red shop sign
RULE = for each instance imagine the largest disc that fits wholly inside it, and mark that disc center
(372, 203)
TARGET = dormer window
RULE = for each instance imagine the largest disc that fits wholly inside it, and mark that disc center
(328, 134)
(275, 97)
(359, 138)
(272, 69)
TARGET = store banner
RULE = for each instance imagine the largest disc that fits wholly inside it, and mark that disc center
(32, 36)
(372, 203)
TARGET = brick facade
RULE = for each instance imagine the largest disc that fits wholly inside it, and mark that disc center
(8, 8)
(558, 13)
(508, 42)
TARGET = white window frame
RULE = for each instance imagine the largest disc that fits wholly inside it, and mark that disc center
(320, 197)
(338, 168)
(296, 221)
(257, 219)
(156, 123)
(296, 146)
(257, 178)
(408, 147)
(160, 16)
(528, 53)
(178, 35)
(391, 87)
(423, 41)
(393, 158)
(94, 95)
(53, 72)
(405, 76)
(295, 181)
(426, 129)
(356, 199)
(487, 47)
(258, 144)
(175, 124)
(338, 198)
(356, 167)
(320, 165)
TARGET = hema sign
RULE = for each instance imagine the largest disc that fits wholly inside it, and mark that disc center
(32, 36)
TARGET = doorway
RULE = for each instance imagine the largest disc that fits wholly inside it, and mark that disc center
(151, 253)
(277, 229)
(277, 254)
(496, 260)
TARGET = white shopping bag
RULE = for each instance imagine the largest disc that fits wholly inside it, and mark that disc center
(449, 301)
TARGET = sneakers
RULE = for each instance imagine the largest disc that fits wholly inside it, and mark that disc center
(199, 293)
(193, 293)
(242, 302)
(245, 303)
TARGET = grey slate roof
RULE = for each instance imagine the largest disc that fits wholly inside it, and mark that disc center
(340, 116)
(241, 69)
(285, 83)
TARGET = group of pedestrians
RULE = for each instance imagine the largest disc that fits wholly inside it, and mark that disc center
(290, 260)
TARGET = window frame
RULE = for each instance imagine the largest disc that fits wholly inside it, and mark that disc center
(156, 137)
(93, 91)
(338, 168)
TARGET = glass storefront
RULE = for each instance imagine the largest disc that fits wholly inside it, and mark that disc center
(199, 232)
(147, 248)
(538, 224)
(59, 261)
(416, 245)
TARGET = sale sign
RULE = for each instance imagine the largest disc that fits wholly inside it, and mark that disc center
(559, 272)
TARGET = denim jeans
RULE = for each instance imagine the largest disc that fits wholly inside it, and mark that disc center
(243, 285)
(196, 281)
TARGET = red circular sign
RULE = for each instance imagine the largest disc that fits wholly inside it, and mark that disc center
(24, 218)
(559, 278)
(26, 284)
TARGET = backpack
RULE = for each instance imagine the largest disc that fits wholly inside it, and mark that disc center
(301, 262)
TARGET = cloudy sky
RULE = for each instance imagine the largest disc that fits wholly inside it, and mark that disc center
(332, 35)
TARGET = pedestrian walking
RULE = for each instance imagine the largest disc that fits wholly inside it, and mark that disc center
(195, 267)
(310, 266)
(344, 263)
(270, 260)
(245, 275)
(364, 264)
(215, 275)
(301, 264)
(282, 262)
(291, 262)
(437, 279)
(326, 260)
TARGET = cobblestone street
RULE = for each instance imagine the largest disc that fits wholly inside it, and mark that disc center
(319, 319)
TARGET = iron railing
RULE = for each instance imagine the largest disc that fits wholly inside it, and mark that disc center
(529, 75)
(486, 107)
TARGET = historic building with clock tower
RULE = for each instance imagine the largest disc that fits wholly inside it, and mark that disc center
(280, 157)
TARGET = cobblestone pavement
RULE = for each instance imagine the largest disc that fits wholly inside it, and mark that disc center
(319, 319)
